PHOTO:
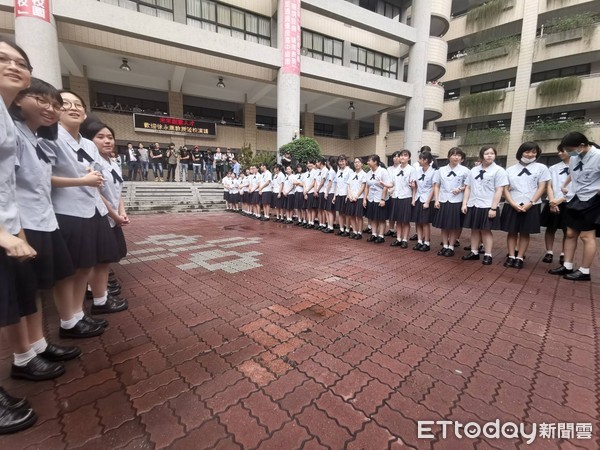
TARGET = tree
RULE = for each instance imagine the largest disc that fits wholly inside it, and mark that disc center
(302, 149)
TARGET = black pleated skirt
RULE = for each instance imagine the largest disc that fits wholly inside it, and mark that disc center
(376, 212)
(300, 202)
(528, 222)
(551, 220)
(329, 206)
(355, 209)
(17, 293)
(53, 260)
(401, 210)
(449, 216)
(423, 215)
(477, 219)
(340, 204)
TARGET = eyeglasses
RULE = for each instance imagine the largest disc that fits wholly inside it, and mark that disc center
(43, 103)
(21, 64)
(67, 105)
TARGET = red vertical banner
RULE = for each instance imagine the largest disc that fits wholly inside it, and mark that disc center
(291, 36)
(40, 9)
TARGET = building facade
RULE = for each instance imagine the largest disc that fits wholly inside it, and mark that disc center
(353, 74)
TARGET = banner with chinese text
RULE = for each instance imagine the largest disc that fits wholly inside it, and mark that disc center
(173, 125)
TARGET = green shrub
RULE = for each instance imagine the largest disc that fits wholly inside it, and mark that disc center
(559, 24)
(481, 103)
(488, 13)
(487, 136)
(559, 87)
(507, 41)
(302, 149)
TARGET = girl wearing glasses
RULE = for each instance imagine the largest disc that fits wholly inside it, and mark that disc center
(15, 75)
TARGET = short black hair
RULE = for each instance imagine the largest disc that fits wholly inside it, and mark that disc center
(426, 156)
(67, 91)
(375, 159)
(38, 87)
(21, 52)
(484, 149)
(526, 146)
(456, 151)
(575, 139)
(91, 126)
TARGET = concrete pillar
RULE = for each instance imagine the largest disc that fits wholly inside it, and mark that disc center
(382, 127)
(175, 104)
(179, 11)
(417, 77)
(524, 67)
(309, 124)
(353, 127)
(250, 130)
(35, 32)
(81, 87)
(347, 52)
(288, 77)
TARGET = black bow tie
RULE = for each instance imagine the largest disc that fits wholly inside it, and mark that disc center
(452, 173)
(480, 176)
(400, 174)
(524, 171)
(355, 177)
(579, 166)
(340, 175)
(82, 155)
(422, 177)
(41, 155)
(565, 170)
(116, 177)
(372, 176)
(308, 176)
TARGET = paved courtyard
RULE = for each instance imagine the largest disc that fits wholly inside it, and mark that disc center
(244, 334)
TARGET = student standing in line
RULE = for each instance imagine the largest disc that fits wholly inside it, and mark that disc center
(423, 211)
(265, 191)
(321, 190)
(15, 75)
(277, 199)
(448, 188)
(527, 182)
(354, 201)
(485, 185)
(36, 111)
(393, 170)
(329, 194)
(244, 186)
(253, 191)
(405, 188)
(234, 192)
(287, 191)
(299, 194)
(583, 210)
(377, 184)
(310, 189)
(553, 211)
(341, 190)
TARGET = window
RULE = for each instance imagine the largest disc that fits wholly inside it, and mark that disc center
(321, 47)
(503, 124)
(582, 69)
(158, 8)
(266, 122)
(448, 132)
(452, 94)
(374, 62)
(493, 85)
(555, 117)
(381, 7)
(223, 19)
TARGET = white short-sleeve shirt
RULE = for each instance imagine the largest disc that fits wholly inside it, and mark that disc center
(356, 183)
(585, 174)
(72, 159)
(300, 178)
(288, 183)
(523, 181)
(113, 185)
(483, 183)
(324, 175)
(342, 181)
(450, 179)
(373, 179)
(425, 183)
(9, 213)
(558, 175)
(278, 183)
(403, 177)
(267, 177)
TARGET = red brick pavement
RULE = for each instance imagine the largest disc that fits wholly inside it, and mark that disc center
(321, 342)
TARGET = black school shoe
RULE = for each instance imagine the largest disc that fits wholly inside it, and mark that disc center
(112, 305)
(9, 402)
(510, 262)
(389, 233)
(357, 237)
(81, 330)
(442, 252)
(578, 276)
(548, 257)
(560, 270)
(396, 243)
(418, 246)
(379, 240)
(55, 353)
(518, 263)
(95, 321)
(449, 253)
(414, 237)
(327, 230)
(38, 369)
(471, 257)
(13, 420)
(487, 260)
(425, 248)
(372, 238)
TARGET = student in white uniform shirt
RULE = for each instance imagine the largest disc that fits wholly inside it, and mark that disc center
(265, 191)
(277, 199)
(15, 74)
(299, 178)
(329, 194)
(226, 188)
(423, 211)
(393, 170)
(405, 188)
(36, 111)
(244, 186)
(254, 198)
(527, 181)
(288, 194)
(553, 211)
(448, 188)
(311, 195)
(377, 184)
(341, 190)
(234, 192)
(485, 185)
(355, 198)
(583, 210)
(83, 221)
(321, 190)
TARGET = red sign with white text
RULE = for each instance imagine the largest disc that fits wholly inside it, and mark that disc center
(39, 9)
(291, 37)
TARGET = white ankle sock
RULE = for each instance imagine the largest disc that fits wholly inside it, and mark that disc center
(100, 301)
(584, 270)
(21, 359)
(78, 315)
(568, 265)
(39, 346)
(68, 324)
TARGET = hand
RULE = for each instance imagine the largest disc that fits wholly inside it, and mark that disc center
(333, 200)
(463, 209)
(364, 203)
(564, 190)
(436, 205)
(492, 213)
(527, 206)
(412, 203)
(315, 194)
(456, 191)
(382, 203)
(425, 205)
(93, 179)
(16, 247)
(305, 196)
(518, 208)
